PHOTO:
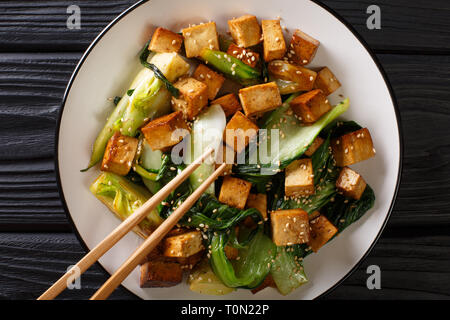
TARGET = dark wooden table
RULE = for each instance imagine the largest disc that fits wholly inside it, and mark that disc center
(38, 54)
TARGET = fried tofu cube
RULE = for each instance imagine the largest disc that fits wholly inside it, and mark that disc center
(189, 262)
(299, 179)
(310, 106)
(193, 97)
(322, 230)
(212, 79)
(119, 154)
(160, 274)
(231, 252)
(165, 131)
(289, 227)
(164, 40)
(234, 192)
(229, 103)
(353, 147)
(247, 56)
(259, 202)
(259, 99)
(268, 282)
(351, 183)
(303, 48)
(326, 81)
(200, 36)
(318, 141)
(225, 155)
(274, 45)
(183, 245)
(245, 30)
(304, 78)
(239, 131)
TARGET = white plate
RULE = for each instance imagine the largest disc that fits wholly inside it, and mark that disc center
(111, 62)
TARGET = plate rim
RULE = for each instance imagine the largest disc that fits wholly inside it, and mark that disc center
(325, 7)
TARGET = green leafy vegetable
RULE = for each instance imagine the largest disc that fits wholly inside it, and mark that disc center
(232, 67)
(130, 92)
(287, 270)
(116, 100)
(158, 74)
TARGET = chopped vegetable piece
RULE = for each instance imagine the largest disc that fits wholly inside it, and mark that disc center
(309, 107)
(119, 154)
(160, 274)
(193, 97)
(299, 178)
(200, 36)
(326, 81)
(322, 230)
(259, 99)
(287, 271)
(165, 131)
(239, 132)
(204, 281)
(123, 197)
(164, 40)
(234, 192)
(289, 227)
(350, 183)
(303, 48)
(230, 66)
(274, 45)
(353, 147)
(245, 30)
(213, 80)
(229, 103)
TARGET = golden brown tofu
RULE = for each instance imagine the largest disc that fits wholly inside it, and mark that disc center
(303, 48)
(231, 252)
(229, 103)
(351, 183)
(353, 147)
(259, 202)
(299, 179)
(239, 131)
(193, 97)
(119, 154)
(183, 245)
(259, 99)
(289, 227)
(247, 56)
(274, 45)
(318, 141)
(268, 282)
(160, 274)
(165, 131)
(234, 192)
(212, 79)
(188, 262)
(310, 106)
(164, 40)
(326, 81)
(225, 155)
(245, 30)
(200, 36)
(303, 77)
(322, 230)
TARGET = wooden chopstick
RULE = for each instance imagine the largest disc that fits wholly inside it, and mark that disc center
(126, 226)
(152, 241)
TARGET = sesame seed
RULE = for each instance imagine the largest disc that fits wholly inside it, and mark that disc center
(174, 42)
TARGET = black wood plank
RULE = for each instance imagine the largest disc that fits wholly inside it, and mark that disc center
(41, 25)
(32, 85)
(411, 268)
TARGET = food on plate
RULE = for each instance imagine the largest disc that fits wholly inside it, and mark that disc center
(287, 189)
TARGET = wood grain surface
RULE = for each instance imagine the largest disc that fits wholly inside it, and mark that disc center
(38, 54)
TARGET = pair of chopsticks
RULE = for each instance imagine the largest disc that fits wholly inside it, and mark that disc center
(128, 224)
